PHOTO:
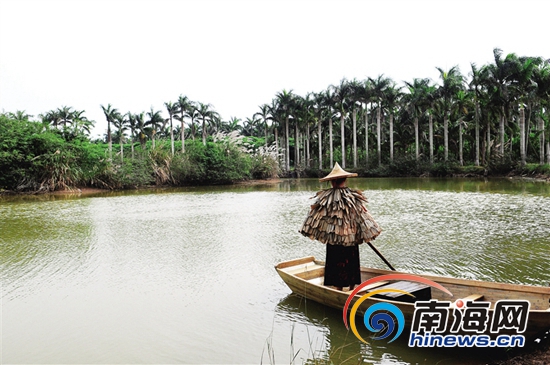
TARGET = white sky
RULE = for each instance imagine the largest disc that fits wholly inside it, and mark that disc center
(236, 55)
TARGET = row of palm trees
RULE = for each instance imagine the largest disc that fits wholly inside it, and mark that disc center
(502, 108)
(502, 105)
(66, 118)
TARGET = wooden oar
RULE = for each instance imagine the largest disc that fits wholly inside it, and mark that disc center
(381, 256)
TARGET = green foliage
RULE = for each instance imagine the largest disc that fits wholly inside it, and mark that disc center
(444, 169)
(133, 173)
(214, 163)
(473, 170)
(405, 166)
(532, 169)
(34, 158)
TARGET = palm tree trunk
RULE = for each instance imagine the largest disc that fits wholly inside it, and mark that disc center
(307, 145)
(488, 143)
(121, 149)
(367, 137)
(431, 132)
(378, 135)
(276, 133)
(133, 141)
(203, 132)
(343, 140)
(460, 143)
(320, 140)
(391, 137)
(446, 136)
(354, 119)
(182, 136)
(477, 136)
(331, 142)
(522, 135)
(296, 146)
(502, 122)
(109, 140)
(287, 154)
(416, 139)
(171, 135)
(541, 140)
(527, 128)
(299, 137)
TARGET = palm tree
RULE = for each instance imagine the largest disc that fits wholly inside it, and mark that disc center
(461, 108)
(264, 114)
(131, 122)
(50, 118)
(285, 106)
(184, 107)
(172, 109)
(341, 95)
(525, 89)
(154, 123)
(318, 113)
(475, 83)
(250, 126)
(276, 117)
(110, 114)
(19, 115)
(120, 124)
(206, 113)
(193, 114)
(498, 75)
(366, 96)
(542, 78)
(141, 127)
(65, 115)
(416, 101)
(81, 124)
(356, 97)
(431, 97)
(392, 99)
(308, 117)
(233, 124)
(452, 82)
(379, 85)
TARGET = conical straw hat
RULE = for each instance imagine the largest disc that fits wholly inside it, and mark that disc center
(338, 173)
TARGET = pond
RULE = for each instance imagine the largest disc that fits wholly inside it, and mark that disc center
(187, 275)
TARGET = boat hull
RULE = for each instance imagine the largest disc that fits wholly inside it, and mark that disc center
(304, 277)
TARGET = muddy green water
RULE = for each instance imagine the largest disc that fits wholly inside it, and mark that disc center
(186, 275)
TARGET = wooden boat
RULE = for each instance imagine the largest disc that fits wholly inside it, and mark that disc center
(305, 277)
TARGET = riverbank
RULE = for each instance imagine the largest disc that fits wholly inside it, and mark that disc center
(84, 190)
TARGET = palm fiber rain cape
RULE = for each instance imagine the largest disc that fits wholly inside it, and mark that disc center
(339, 217)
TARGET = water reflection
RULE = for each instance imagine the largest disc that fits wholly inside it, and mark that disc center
(186, 275)
(340, 346)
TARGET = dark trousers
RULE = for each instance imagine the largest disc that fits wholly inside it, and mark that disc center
(342, 266)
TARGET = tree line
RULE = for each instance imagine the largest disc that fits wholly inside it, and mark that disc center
(498, 114)
(501, 113)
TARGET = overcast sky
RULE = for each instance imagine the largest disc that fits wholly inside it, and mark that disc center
(236, 55)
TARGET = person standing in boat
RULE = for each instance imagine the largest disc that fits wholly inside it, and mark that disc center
(339, 219)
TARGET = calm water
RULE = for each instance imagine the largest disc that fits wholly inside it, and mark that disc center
(186, 275)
